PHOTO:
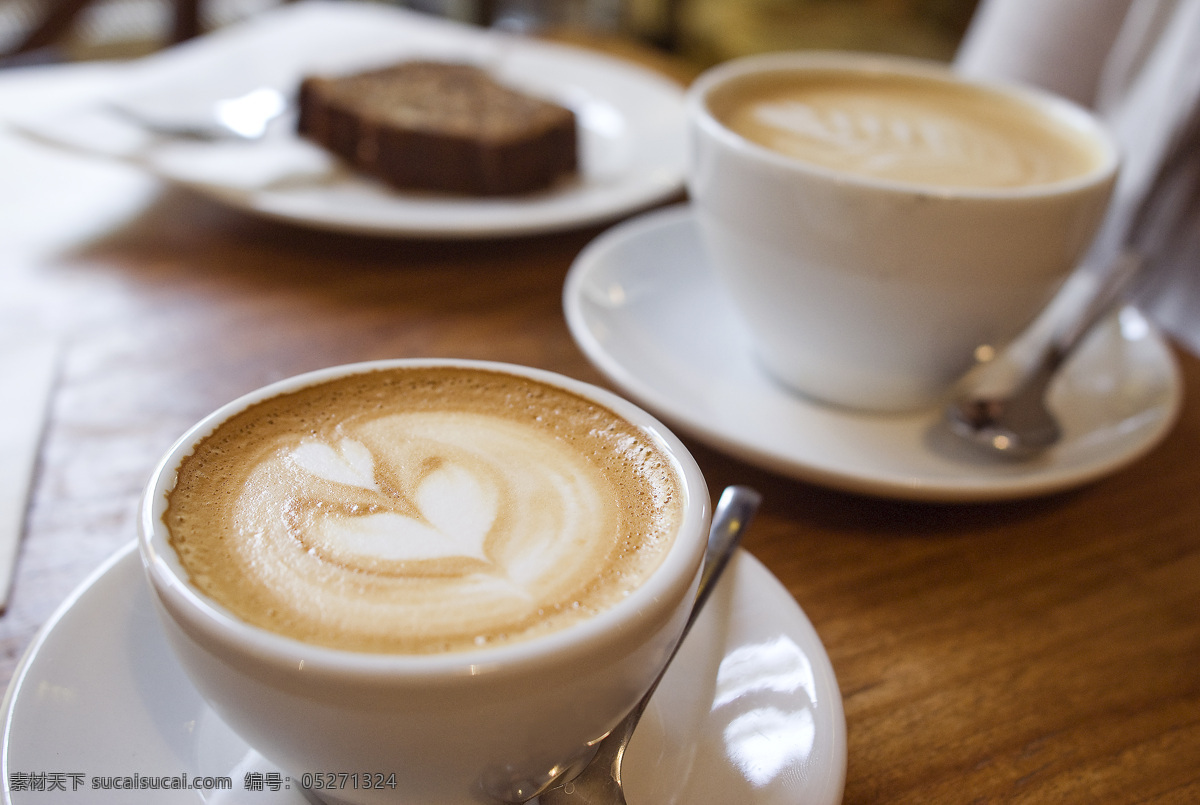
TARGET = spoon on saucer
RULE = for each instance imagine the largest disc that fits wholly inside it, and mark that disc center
(599, 782)
(1016, 422)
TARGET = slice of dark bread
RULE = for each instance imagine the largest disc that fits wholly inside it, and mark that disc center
(440, 126)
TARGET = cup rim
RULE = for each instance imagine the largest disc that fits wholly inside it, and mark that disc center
(170, 583)
(1062, 109)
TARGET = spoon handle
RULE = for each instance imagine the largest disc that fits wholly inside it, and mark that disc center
(1011, 418)
(991, 402)
(599, 781)
(731, 516)
(1111, 292)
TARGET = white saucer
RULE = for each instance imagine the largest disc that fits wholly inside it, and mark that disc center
(642, 305)
(750, 711)
(630, 119)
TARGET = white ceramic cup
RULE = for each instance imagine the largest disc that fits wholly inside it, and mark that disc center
(448, 726)
(870, 293)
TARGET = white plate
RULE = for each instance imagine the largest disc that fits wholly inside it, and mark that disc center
(630, 120)
(642, 305)
(749, 713)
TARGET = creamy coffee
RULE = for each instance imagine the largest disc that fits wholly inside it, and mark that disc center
(422, 510)
(904, 128)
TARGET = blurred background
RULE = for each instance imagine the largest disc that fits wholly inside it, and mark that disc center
(701, 31)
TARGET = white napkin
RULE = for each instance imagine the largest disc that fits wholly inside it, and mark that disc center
(1137, 64)
(28, 367)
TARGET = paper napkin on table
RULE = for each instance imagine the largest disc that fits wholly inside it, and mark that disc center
(28, 367)
(1137, 64)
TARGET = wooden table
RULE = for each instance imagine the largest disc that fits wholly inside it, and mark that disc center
(1039, 651)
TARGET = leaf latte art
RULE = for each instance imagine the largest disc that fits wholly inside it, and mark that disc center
(422, 510)
(905, 129)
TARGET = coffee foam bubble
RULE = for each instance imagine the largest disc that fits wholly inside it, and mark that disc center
(423, 510)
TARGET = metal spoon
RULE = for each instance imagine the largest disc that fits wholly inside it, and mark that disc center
(599, 783)
(1017, 422)
(245, 117)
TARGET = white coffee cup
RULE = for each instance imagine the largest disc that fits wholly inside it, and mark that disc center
(876, 293)
(450, 726)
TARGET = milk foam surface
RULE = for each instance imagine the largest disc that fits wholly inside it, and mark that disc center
(904, 129)
(423, 510)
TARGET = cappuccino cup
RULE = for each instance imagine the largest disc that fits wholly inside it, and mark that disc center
(879, 221)
(424, 581)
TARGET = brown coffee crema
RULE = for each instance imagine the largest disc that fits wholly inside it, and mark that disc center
(905, 128)
(423, 510)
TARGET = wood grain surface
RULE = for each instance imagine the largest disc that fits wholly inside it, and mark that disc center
(1036, 651)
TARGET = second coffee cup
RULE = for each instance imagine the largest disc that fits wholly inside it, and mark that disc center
(877, 220)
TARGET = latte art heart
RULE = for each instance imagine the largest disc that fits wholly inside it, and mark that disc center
(453, 510)
(380, 513)
(350, 462)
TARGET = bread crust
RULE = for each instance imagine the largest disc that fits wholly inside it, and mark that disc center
(440, 126)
